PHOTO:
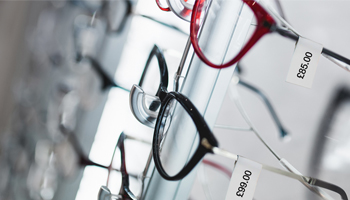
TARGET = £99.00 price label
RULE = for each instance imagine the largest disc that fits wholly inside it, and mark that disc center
(304, 62)
(243, 180)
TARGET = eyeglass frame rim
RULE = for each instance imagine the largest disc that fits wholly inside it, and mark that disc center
(265, 24)
(125, 191)
(262, 29)
(202, 128)
(163, 68)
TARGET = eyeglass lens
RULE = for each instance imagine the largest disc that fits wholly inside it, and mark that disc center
(170, 134)
(229, 42)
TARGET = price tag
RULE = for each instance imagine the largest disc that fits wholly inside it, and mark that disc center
(243, 180)
(304, 62)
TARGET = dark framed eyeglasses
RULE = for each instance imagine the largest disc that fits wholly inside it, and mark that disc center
(55, 161)
(124, 193)
(170, 162)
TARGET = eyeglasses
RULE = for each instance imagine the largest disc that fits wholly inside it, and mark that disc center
(195, 10)
(124, 192)
(178, 109)
(53, 161)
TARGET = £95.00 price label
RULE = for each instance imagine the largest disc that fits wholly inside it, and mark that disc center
(243, 180)
(304, 62)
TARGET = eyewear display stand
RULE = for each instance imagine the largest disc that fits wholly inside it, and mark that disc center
(226, 26)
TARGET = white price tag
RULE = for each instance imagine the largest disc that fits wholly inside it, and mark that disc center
(243, 180)
(304, 62)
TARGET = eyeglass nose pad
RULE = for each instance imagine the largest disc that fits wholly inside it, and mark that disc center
(182, 8)
(104, 193)
(143, 106)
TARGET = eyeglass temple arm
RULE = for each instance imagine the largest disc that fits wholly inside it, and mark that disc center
(84, 160)
(137, 139)
(282, 161)
(272, 111)
(163, 71)
(217, 166)
(304, 179)
(163, 68)
(325, 51)
(143, 176)
(329, 186)
(124, 190)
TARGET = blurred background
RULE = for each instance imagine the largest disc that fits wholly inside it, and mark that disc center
(58, 110)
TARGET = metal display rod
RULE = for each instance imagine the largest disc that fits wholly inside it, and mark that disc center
(223, 34)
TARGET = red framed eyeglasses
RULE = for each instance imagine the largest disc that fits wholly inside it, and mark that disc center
(265, 23)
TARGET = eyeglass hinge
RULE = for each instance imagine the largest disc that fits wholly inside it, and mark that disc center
(206, 144)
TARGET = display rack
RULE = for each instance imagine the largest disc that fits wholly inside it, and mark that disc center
(205, 86)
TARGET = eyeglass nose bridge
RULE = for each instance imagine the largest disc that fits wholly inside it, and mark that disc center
(143, 106)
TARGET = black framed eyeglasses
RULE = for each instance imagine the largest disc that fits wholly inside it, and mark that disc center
(167, 151)
(55, 161)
